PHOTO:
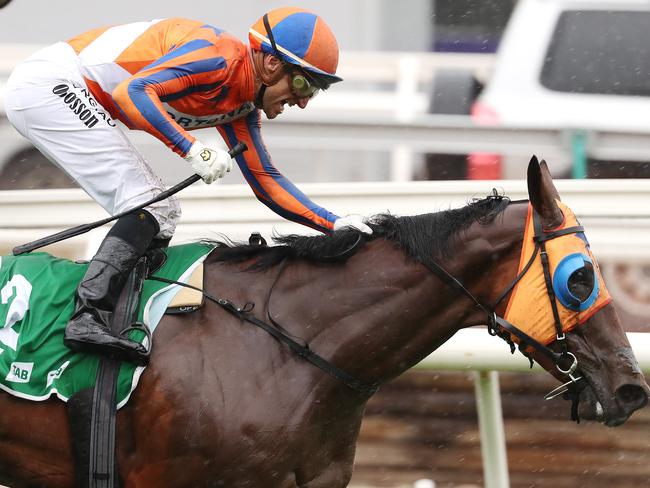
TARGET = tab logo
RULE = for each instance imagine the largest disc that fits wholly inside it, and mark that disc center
(20, 372)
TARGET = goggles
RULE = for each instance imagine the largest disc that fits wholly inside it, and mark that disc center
(301, 86)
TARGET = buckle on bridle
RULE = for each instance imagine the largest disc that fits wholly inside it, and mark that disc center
(564, 387)
(572, 368)
(492, 327)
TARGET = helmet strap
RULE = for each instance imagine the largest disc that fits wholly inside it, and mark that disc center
(259, 99)
(260, 94)
(269, 32)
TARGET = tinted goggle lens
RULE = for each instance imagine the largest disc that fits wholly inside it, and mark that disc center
(302, 87)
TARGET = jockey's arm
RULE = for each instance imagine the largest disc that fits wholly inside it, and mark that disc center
(268, 184)
(140, 97)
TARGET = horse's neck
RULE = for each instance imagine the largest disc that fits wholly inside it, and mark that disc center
(383, 312)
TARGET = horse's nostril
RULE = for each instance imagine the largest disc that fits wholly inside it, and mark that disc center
(632, 396)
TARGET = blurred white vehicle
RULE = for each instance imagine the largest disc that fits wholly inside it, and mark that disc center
(576, 64)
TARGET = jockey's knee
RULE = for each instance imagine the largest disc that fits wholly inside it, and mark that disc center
(167, 213)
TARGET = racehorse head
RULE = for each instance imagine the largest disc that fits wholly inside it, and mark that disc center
(561, 314)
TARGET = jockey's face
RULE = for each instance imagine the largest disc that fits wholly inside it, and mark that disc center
(280, 94)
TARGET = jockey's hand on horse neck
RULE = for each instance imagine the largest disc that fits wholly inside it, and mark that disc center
(353, 221)
(208, 162)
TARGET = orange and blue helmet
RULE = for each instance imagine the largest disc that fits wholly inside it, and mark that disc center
(301, 38)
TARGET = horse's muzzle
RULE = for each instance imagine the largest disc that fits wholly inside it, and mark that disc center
(627, 399)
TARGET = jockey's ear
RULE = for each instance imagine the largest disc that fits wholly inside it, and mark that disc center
(543, 194)
(272, 69)
(272, 63)
(267, 67)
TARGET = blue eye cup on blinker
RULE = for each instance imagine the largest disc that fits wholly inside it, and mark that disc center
(567, 266)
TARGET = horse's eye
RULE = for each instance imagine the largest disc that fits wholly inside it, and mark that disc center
(581, 282)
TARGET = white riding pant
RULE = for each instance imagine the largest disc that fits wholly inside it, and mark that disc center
(48, 102)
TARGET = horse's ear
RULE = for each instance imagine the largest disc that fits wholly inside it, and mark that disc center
(546, 174)
(542, 193)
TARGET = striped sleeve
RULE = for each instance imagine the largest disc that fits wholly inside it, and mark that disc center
(192, 67)
(268, 184)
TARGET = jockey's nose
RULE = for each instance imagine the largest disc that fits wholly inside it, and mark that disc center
(302, 102)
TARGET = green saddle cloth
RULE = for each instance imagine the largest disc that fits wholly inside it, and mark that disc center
(36, 302)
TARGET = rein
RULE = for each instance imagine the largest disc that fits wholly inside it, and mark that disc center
(279, 333)
(244, 313)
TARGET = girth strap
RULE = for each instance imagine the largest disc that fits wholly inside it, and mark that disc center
(102, 472)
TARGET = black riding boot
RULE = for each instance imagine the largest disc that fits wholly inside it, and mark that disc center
(89, 329)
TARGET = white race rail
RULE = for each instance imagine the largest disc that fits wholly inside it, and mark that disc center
(616, 213)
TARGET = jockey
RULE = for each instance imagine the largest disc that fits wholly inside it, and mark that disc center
(166, 77)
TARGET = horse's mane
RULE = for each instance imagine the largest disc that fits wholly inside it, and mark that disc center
(420, 236)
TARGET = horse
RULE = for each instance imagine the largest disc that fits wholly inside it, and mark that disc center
(224, 403)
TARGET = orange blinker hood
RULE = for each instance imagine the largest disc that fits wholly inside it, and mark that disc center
(529, 306)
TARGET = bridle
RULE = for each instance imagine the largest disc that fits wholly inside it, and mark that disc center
(497, 325)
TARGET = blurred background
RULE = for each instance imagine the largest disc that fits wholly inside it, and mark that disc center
(442, 100)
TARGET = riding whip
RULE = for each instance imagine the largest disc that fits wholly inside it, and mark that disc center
(82, 229)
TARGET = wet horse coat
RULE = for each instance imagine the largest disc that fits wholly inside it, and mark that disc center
(224, 404)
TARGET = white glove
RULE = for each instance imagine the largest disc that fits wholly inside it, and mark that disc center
(353, 221)
(208, 162)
